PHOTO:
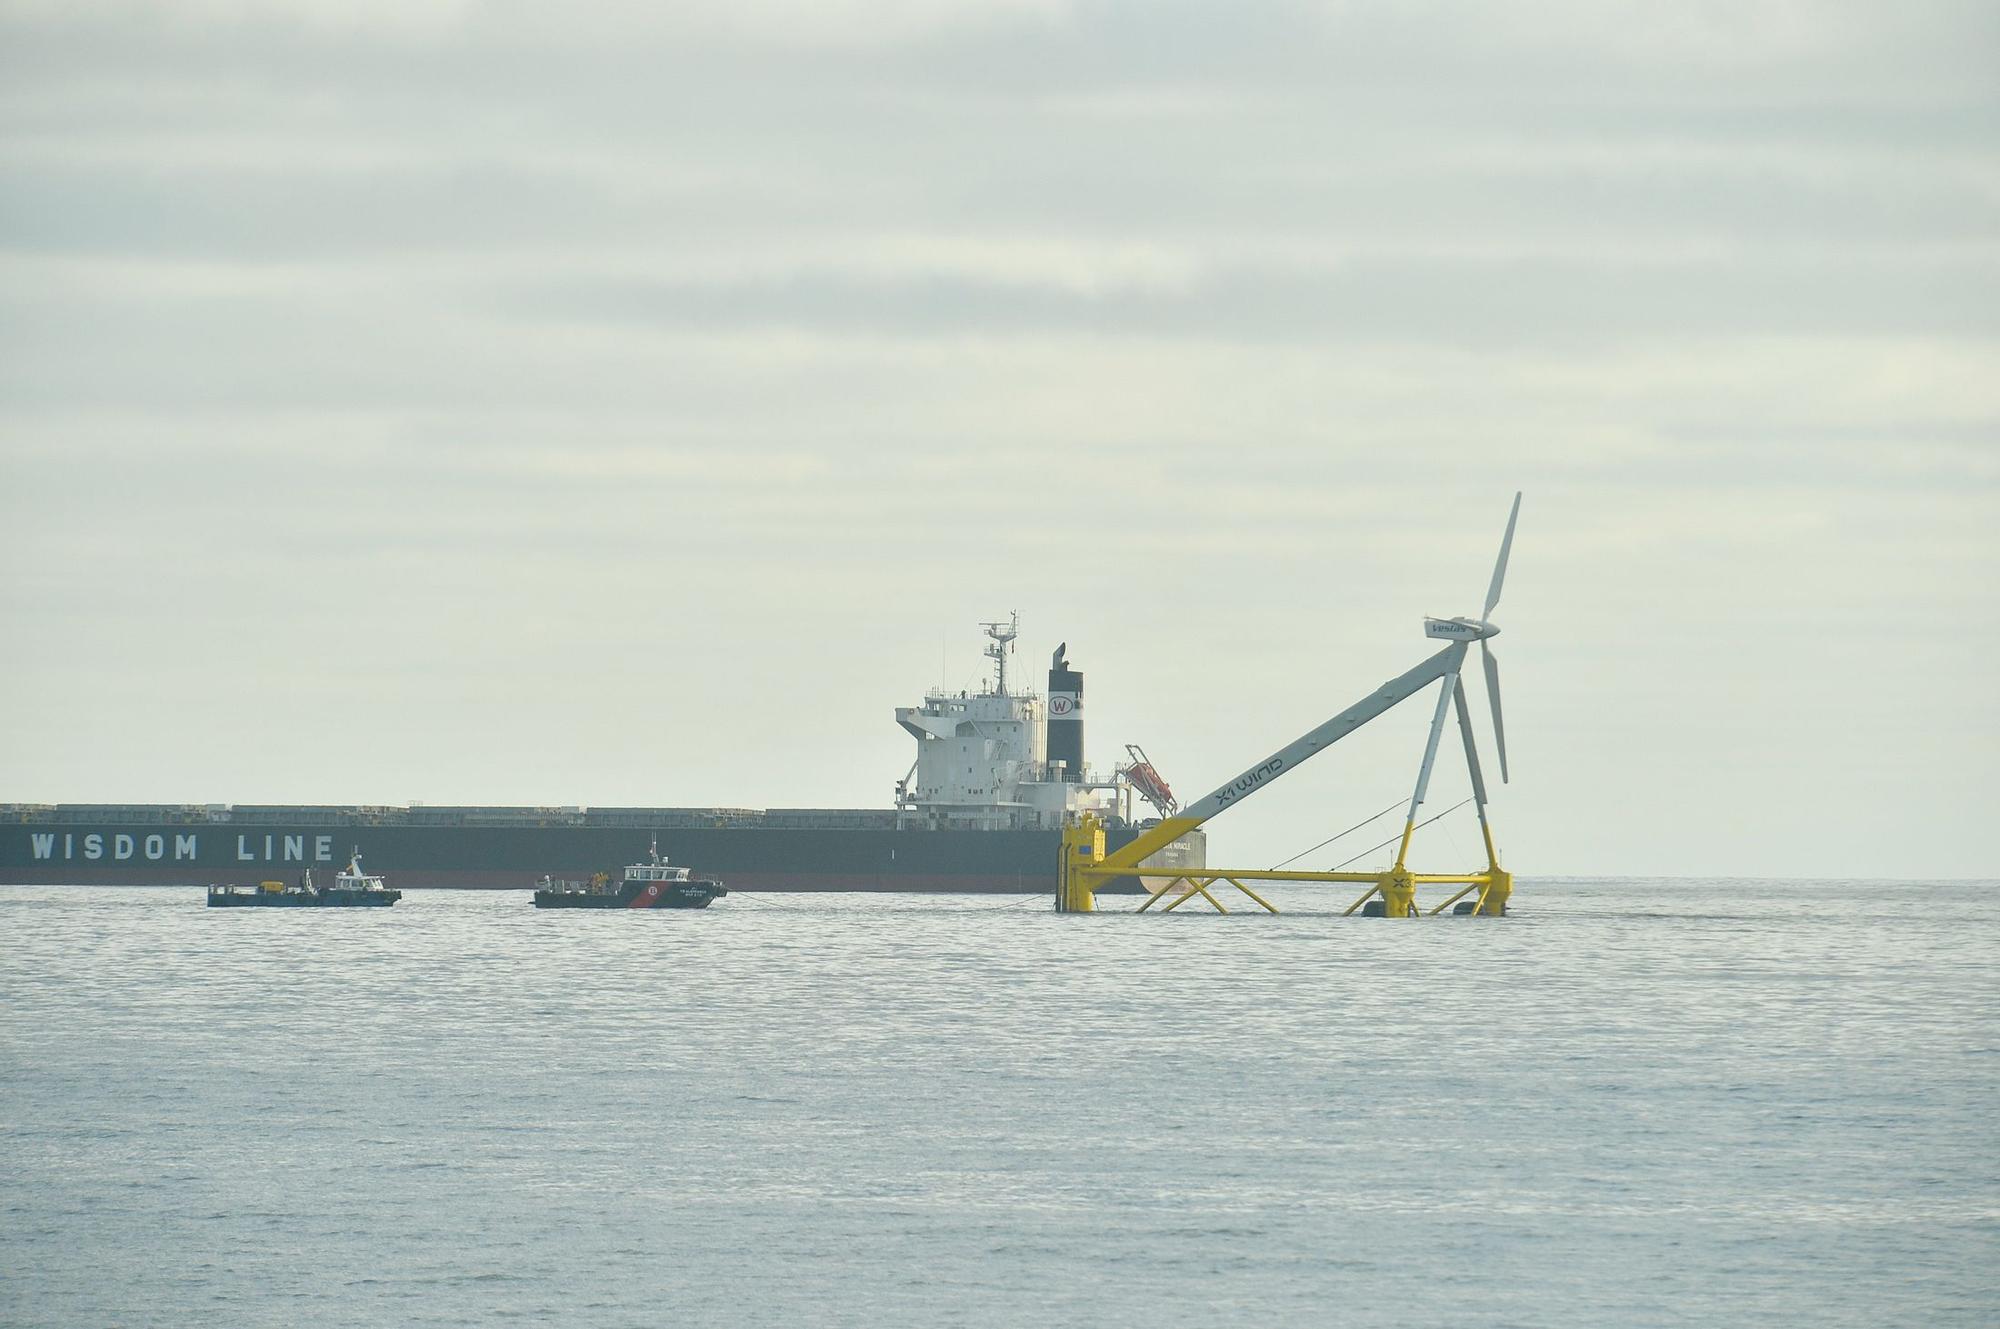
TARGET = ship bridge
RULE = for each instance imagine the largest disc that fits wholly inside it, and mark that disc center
(1003, 759)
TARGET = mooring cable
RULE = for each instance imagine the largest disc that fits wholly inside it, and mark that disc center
(1011, 904)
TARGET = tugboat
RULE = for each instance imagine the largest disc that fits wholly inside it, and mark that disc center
(654, 884)
(351, 889)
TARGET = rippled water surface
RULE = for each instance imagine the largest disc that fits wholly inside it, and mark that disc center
(1630, 1104)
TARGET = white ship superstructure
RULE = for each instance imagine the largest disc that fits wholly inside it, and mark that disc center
(1003, 759)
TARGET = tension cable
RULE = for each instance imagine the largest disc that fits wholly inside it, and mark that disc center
(1349, 831)
(1392, 839)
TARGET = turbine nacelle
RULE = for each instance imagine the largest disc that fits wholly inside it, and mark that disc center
(1460, 629)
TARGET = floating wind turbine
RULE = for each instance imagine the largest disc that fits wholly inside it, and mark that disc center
(1085, 867)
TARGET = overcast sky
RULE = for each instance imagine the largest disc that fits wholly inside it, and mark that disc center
(483, 403)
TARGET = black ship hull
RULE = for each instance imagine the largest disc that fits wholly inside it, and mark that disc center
(54, 851)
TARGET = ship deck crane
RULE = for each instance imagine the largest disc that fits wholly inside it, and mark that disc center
(1086, 869)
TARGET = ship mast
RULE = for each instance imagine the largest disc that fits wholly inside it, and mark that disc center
(1003, 635)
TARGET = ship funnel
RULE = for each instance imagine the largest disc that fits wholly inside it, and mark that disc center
(1065, 742)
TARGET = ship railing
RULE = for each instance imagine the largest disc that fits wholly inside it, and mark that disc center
(673, 818)
(120, 814)
(282, 814)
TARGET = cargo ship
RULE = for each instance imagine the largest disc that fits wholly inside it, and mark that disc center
(997, 774)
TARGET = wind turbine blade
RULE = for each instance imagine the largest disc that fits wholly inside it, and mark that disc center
(1493, 698)
(1500, 566)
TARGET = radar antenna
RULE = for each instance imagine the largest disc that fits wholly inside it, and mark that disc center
(1000, 647)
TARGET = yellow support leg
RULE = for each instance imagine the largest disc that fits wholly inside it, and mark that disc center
(1082, 846)
(1366, 896)
(1403, 849)
(1073, 897)
(1399, 892)
(1154, 898)
(1252, 894)
(1493, 899)
(1456, 898)
(1197, 889)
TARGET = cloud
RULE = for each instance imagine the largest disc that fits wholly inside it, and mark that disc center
(532, 345)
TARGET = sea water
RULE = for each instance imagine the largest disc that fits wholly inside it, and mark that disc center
(1630, 1103)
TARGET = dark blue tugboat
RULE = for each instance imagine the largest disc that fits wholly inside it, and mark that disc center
(655, 884)
(351, 889)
